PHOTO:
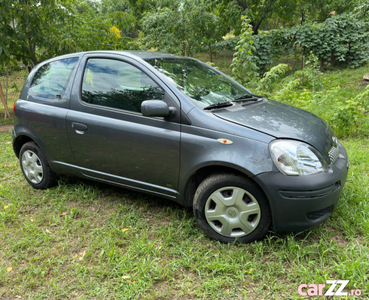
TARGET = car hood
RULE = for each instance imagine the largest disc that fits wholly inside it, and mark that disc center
(282, 121)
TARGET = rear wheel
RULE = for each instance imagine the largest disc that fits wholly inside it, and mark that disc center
(35, 167)
(228, 207)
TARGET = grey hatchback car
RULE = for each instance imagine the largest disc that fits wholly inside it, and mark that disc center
(177, 128)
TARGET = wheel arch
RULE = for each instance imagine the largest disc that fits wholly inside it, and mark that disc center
(199, 175)
(19, 141)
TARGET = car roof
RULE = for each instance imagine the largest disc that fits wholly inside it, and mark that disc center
(135, 54)
(149, 54)
(145, 55)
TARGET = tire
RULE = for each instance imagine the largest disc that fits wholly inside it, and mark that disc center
(35, 167)
(231, 208)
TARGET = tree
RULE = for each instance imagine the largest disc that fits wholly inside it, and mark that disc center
(120, 14)
(110, 7)
(293, 12)
(258, 11)
(31, 28)
(183, 26)
(102, 26)
(361, 11)
(289, 13)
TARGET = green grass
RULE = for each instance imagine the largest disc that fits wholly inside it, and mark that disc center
(350, 81)
(72, 242)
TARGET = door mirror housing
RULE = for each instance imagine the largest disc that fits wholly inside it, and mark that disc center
(156, 108)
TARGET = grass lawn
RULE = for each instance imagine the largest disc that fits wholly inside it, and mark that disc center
(83, 240)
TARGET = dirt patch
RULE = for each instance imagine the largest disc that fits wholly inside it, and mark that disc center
(5, 128)
(362, 83)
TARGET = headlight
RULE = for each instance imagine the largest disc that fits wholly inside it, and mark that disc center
(296, 158)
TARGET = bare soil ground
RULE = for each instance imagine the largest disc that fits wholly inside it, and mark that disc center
(5, 128)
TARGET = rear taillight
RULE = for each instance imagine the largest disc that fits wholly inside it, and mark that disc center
(15, 104)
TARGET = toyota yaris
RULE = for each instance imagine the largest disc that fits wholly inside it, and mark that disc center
(177, 128)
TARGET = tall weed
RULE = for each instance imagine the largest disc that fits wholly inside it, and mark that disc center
(244, 63)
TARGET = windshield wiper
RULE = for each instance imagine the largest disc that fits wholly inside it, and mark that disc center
(219, 105)
(243, 98)
(247, 97)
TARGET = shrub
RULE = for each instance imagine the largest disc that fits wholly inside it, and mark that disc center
(267, 83)
(244, 63)
(340, 40)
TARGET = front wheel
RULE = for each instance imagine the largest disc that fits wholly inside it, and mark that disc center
(228, 207)
(35, 167)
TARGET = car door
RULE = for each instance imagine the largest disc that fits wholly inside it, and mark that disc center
(110, 139)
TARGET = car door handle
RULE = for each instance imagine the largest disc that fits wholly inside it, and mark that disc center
(79, 128)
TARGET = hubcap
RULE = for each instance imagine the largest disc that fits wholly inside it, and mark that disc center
(32, 166)
(232, 212)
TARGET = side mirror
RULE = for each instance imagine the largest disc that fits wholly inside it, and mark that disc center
(155, 108)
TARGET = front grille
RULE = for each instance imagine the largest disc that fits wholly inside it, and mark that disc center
(333, 154)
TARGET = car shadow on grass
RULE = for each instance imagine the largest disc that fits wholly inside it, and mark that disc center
(159, 210)
(117, 195)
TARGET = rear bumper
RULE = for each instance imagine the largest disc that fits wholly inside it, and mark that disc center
(301, 202)
(15, 148)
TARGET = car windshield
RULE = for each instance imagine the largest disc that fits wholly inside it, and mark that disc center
(205, 86)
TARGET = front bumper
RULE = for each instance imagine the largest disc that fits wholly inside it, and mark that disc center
(300, 202)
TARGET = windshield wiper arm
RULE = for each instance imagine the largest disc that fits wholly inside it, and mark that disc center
(219, 105)
(247, 97)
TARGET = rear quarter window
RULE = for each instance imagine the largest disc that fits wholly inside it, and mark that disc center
(51, 79)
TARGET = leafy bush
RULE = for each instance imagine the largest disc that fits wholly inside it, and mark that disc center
(311, 76)
(348, 117)
(267, 83)
(270, 45)
(352, 117)
(340, 40)
(226, 45)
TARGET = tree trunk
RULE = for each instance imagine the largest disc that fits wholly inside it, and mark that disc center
(303, 59)
(5, 106)
(255, 27)
(7, 83)
(242, 4)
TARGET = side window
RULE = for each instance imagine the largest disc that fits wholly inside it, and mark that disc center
(50, 80)
(117, 84)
